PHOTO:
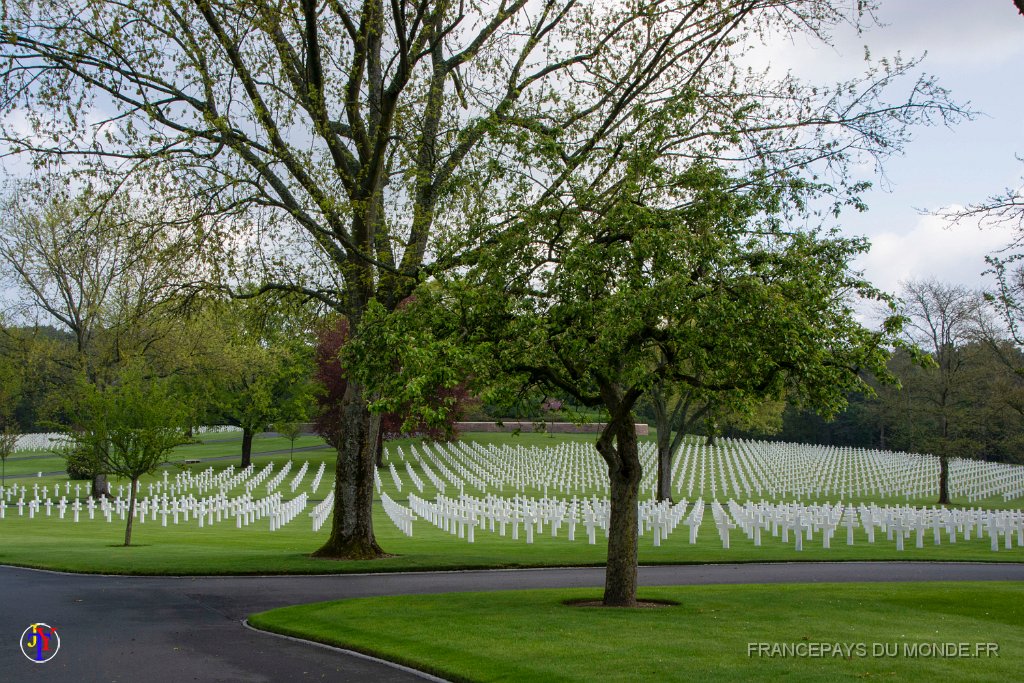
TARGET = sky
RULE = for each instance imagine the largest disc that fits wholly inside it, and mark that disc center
(976, 50)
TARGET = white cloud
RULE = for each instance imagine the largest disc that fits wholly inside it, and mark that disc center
(957, 35)
(932, 249)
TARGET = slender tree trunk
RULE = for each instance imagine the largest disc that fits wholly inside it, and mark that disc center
(664, 472)
(131, 511)
(247, 434)
(944, 480)
(352, 525)
(379, 450)
(663, 425)
(624, 473)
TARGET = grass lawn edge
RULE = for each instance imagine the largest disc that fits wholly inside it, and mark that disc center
(401, 663)
(484, 567)
(341, 624)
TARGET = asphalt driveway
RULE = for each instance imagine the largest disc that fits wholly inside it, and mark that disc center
(156, 629)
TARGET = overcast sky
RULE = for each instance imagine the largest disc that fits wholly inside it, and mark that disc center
(976, 49)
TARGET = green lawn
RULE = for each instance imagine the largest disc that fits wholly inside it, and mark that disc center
(713, 634)
(90, 546)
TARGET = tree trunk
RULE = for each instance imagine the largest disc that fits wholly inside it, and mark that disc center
(379, 450)
(131, 511)
(352, 525)
(663, 425)
(100, 486)
(944, 480)
(624, 474)
(664, 473)
(247, 434)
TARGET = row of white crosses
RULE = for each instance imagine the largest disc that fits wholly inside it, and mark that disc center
(205, 511)
(259, 477)
(317, 477)
(435, 480)
(462, 516)
(299, 476)
(402, 516)
(287, 511)
(394, 476)
(439, 466)
(48, 441)
(167, 499)
(322, 510)
(462, 471)
(896, 523)
(473, 461)
(738, 469)
(415, 478)
(566, 467)
(975, 480)
(39, 442)
(183, 482)
(745, 469)
(236, 478)
(279, 477)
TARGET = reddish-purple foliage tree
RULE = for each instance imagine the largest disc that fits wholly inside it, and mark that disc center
(330, 374)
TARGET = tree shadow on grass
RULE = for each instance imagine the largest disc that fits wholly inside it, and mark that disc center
(640, 604)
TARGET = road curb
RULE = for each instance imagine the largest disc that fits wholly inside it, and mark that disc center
(351, 653)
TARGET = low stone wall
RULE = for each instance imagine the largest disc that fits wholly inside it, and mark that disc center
(550, 427)
(512, 425)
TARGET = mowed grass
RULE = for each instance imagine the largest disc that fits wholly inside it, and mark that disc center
(93, 545)
(23, 467)
(712, 634)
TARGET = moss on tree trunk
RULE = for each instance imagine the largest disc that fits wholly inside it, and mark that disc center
(352, 534)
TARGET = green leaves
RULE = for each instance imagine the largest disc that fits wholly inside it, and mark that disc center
(714, 294)
(128, 428)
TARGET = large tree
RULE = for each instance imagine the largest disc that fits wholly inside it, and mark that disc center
(943, 320)
(97, 264)
(363, 128)
(332, 381)
(601, 301)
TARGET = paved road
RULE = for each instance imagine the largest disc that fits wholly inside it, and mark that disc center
(156, 629)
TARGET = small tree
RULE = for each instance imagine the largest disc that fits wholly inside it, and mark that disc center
(258, 366)
(130, 428)
(289, 430)
(8, 439)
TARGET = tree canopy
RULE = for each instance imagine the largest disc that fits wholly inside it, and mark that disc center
(128, 427)
(327, 146)
(601, 300)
